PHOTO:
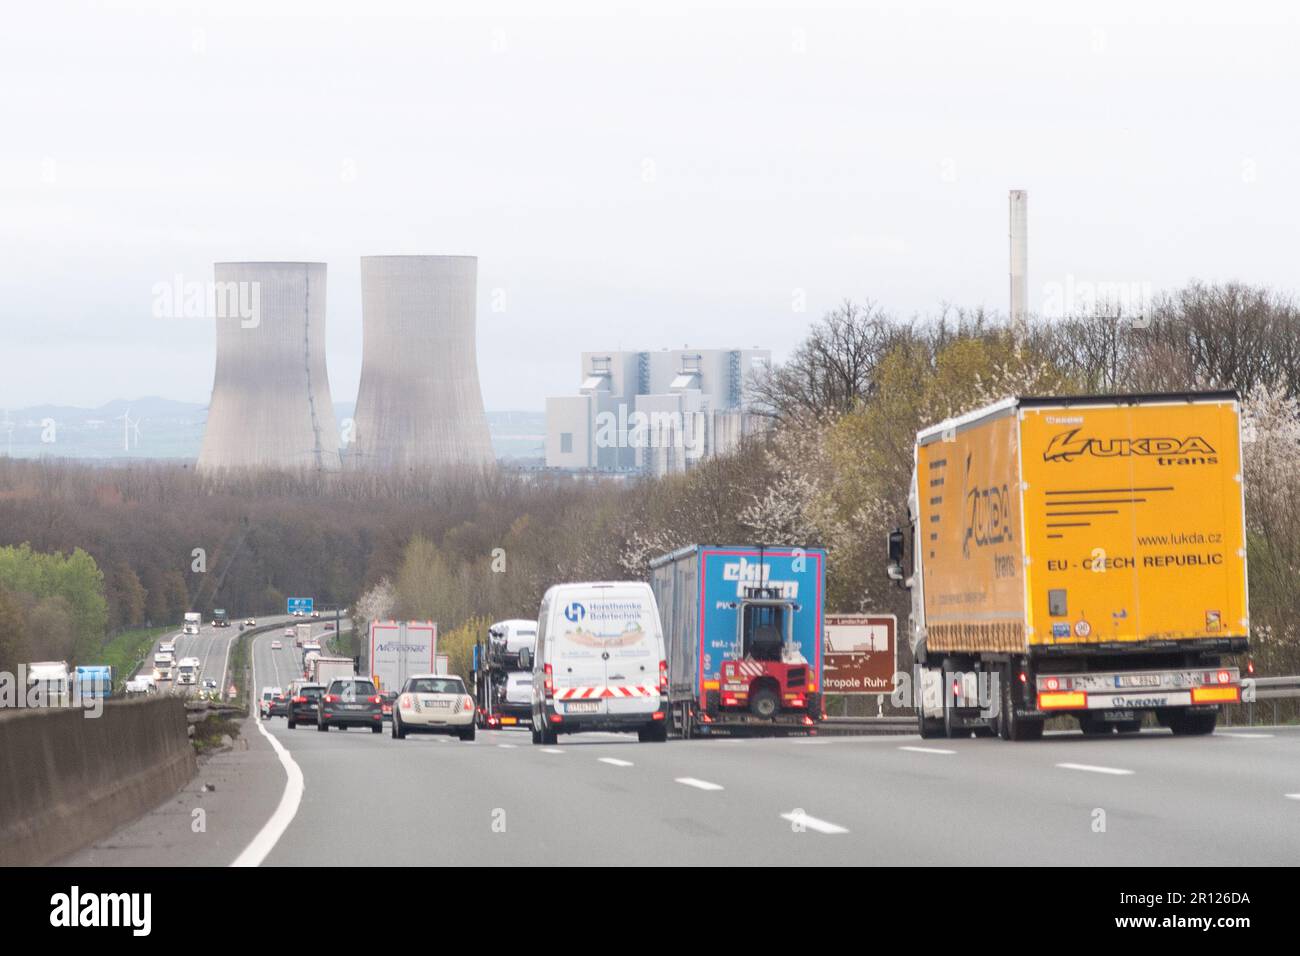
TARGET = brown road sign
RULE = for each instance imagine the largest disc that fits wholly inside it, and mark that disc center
(860, 653)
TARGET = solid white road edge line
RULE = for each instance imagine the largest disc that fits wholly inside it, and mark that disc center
(698, 784)
(274, 828)
(812, 823)
(1116, 771)
(927, 750)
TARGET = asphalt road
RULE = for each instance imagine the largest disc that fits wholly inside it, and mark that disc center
(1150, 798)
(211, 646)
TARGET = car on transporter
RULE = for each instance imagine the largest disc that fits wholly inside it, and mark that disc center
(434, 704)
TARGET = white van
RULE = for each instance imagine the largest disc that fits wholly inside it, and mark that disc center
(600, 662)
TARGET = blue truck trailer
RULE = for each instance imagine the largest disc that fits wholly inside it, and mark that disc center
(94, 680)
(742, 631)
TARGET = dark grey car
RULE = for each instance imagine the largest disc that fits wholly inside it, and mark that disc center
(350, 702)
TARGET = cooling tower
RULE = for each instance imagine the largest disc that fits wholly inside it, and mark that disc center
(271, 396)
(419, 406)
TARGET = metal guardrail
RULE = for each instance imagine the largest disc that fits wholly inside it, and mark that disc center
(1272, 690)
(865, 726)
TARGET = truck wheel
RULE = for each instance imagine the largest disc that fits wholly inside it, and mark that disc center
(764, 703)
(1188, 723)
(377, 728)
(1094, 726)
(688, 722)
(322, 726)
(1011, 727)
(1129, 726)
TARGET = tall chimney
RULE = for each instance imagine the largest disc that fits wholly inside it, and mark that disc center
(1019, 259)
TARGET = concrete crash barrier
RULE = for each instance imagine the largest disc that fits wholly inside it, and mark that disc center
(67, 780)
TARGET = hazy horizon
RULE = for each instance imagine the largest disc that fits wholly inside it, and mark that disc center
(710, 175)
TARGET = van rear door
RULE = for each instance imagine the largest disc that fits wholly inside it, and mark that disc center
(612, 636)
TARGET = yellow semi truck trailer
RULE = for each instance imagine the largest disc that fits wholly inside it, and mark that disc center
(1083, 556)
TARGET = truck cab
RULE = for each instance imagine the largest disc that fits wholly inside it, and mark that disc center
(767, 671)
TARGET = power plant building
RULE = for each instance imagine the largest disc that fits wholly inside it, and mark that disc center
(419, 406)
(654, 413)
(270, 404)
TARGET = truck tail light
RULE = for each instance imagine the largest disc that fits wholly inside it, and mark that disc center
(807, 721)
(1224, 677)
(663, 677)
(1062, 700)
(1215, 695)
(550, 682)
(1052, 684)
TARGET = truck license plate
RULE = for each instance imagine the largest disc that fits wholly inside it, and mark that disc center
(583, 707)
(1137, 680)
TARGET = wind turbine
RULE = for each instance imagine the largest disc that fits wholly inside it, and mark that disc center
(129, 426)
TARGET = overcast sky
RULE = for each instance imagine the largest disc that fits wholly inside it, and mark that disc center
(696, 175)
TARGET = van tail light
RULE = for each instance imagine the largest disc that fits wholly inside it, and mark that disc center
(663, 677)
(300, 700)
(550, 682)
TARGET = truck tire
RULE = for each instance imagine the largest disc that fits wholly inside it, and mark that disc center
(1011, 727)
(1128, 726)
(322, 726)
(764, 702)
(1094, 726)
(1190, 723)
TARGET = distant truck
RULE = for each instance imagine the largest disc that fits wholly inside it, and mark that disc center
(163, 665)
(1081, 556)
(187, 670)
(302, 635)
(193, 622)
(743, 636)
(51, 681)
(502, 672)
(167, 647)
(139, 687)
(220, 618)
(325, 669)
(400, 649)
(94, 681)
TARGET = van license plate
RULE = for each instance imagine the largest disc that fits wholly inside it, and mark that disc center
(583, 707)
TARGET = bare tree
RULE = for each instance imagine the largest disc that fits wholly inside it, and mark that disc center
(835, 365)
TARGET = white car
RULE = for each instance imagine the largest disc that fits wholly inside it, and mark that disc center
(250, 622)
(268, 694)
(276, 645)
(433, 704)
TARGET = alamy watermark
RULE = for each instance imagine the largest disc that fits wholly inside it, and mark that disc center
(181, 299)
(638, 429)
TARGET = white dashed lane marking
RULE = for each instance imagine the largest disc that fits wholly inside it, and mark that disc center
(802, 820)
(1090, 768)
(928, 750)
(698, 784)
(615, 762)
